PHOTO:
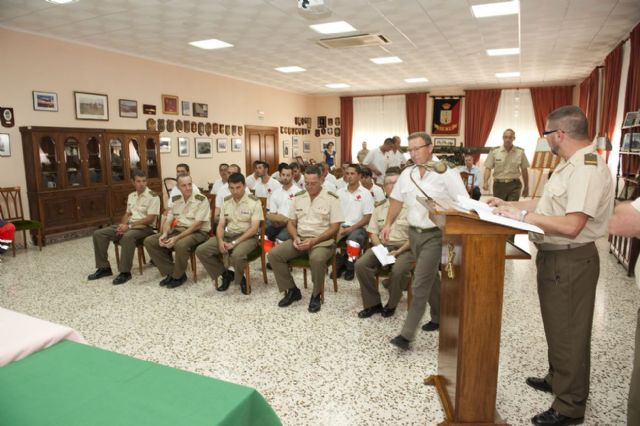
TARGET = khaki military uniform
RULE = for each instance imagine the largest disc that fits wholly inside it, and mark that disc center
(312, 219)
(185, 213)
(238, 217)
(508, 167)
(362, 154)
(139, 206)
(568, 272)
(368, 264)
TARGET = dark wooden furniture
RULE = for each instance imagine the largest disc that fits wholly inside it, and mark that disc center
(79, 178)
(471, 317)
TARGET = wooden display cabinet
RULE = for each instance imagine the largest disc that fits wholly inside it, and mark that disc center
(79, 178)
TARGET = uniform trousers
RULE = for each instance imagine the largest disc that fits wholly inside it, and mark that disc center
(128, 241)
(633, 403)
(507, 191)
(567, 282)
(319, 256)
(367, 267)
(426, 247)
(216, 263)
(162, 256)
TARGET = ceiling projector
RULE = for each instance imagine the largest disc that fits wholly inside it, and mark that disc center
(314, 9)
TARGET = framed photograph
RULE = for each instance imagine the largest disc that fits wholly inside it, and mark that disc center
(128, 108)
(183, 146)
(148, 109)
(330, 122)
(200, 110)
(322, 121)
(285, 149)
(45, 101)
(296, 142)
(444, 141)
(631, 119)
(306, 146)
(170, 104)
(337, 121)
(5, 145)
(336, 132)
(204, 147)
(295, 152)
(91, 106)
(236, 145)
(186, 107)
(165, 144)
(222, 144)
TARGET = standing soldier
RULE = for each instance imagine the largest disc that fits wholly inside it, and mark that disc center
(187, 225)
(236, 236)
(398, 246)
(573, 212)
(143, 208)
(314, 221)
(509, 162)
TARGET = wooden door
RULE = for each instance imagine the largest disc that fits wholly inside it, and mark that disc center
(262, 144)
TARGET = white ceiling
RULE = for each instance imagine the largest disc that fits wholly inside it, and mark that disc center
(561, 40)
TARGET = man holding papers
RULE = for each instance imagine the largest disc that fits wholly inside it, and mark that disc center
(573, 212)
(398, 249)
(425, 238)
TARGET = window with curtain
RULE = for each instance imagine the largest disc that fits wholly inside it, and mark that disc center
(376, 118)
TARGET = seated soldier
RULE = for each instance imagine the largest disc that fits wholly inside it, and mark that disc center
(398, 246)
(7, 232)
(236, 236)
(366, 180)
(143, 208)
(187, 225)
(181, 169)
(223, 191)
(357, 205)
(314, 221)
(279, 206)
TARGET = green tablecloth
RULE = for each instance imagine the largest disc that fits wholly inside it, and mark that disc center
(73, 384)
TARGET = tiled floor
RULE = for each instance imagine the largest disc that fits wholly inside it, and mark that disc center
(330, 368)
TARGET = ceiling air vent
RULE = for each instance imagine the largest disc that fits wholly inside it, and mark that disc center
(354, 41)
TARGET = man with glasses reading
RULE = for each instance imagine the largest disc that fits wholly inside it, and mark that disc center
(425, 238)
(573, 212)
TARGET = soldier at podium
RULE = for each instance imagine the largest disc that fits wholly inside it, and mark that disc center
(573, 212)
(425, 238)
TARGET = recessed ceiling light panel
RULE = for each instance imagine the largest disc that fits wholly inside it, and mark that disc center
(61, 1)
(290, 69)
(333, 27)
(337, 85)
(210, 44)
(508, 74)
(496, 9)
(504, 52)
(386, 60)
(416, 80)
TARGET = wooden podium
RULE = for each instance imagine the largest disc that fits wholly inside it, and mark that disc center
(471, 316)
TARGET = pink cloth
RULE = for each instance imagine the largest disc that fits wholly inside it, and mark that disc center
(22, 335)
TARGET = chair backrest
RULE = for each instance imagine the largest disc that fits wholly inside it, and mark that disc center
(469, 181)
(169, 184)
(263, 224)
(11, 204)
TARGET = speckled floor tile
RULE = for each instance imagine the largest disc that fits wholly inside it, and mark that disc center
(330, 368)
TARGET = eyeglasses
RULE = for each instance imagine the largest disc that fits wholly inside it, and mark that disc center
(410, 150)
(548, 132)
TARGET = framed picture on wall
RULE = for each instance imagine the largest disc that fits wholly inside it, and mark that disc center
(204, 147)
(222, 144)
(296, 142)
(183, 146)
(170, 104)
(306, 146)
(322, 121)
(295, 152)
(186, 107)
(45, 101)
(128, 108)
(91, 106)
(444, 141)
(200, 110)
(148, 109)
(165, 144)
(5, 145)
(285, 148)
(236, 145)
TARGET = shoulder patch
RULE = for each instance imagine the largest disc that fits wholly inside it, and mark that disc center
(519, 148)
(381, 202)
(301, 193)
(253, 197)
(591, 159)
(153, 194)
(332, 194)
(176, 198)
(200, 197)
(228, 197)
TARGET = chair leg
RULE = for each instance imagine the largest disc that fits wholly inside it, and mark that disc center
(13, 245)
(333, 273)
(304, 274)
(247, 274)
(140, 250)
(264, 268)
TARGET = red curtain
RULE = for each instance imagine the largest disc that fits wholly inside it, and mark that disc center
(546, 99)
(479, 113)
(346, 128)
(609, 109)
(632, 97)
(416, 106)
(589, 100)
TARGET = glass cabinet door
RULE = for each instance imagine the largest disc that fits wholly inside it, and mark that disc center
(117, 160)
(134, 156)
(49, 163)
(94, 159)
(152, 160)
(72, 163)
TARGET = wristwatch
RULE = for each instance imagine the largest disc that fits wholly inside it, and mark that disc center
(233, 242)
(129, 225)
(522, 215)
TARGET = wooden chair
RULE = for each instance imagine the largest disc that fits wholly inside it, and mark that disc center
(11, 211)
(303, 262)
(169, 184)
(469, 181)
(386, 272)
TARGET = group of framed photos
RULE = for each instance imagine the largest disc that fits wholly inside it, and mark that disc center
(294, 131)
(303, 121)
(186, 126)
(326, 126)
(203, 146)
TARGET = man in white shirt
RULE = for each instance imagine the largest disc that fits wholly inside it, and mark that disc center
(376, 160)
(425, 238)
(473, 170)
(279, 206)
(341, 183)
(395, 157)
(265, 184)
(181, 169)
(330, 180)
(224, 191)
(219, 183)
(366, 180)
(253, 177)
(357, 206)
(298, 176)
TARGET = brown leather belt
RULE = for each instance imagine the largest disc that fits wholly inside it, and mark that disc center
(556, 247)
(423, 230)
(505, 180)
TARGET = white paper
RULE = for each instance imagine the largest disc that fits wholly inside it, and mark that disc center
(383, 256)
(485, 212)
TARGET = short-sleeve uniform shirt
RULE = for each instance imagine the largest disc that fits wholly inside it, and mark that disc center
(507, 164)
(378, 159)
(238, 215)
(176, 191)
(314, 217)
(399, 231)
(195, 209)
(140, 206)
